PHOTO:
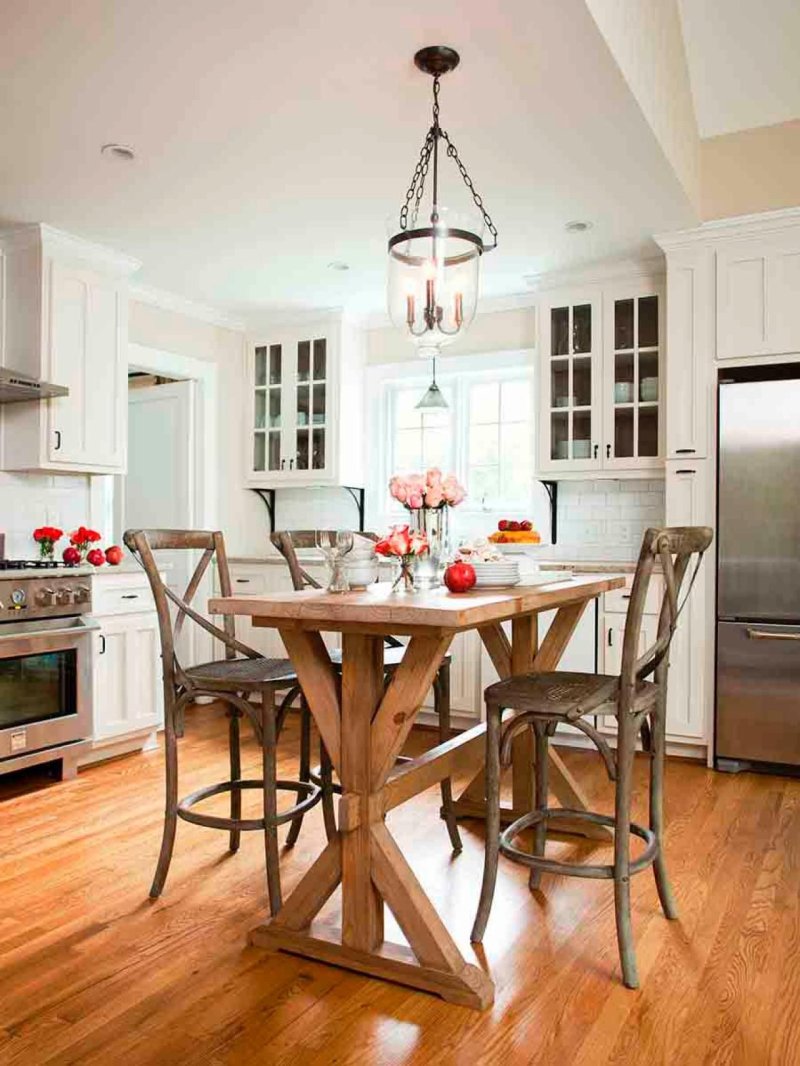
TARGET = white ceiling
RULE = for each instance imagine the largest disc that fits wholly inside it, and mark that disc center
(274, 138)
(744, 62)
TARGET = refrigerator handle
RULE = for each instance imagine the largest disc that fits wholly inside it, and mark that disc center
(759, 634)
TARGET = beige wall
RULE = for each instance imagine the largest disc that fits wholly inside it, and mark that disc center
(646, 40)
(241, 515)
(751, 171)
(493, 332)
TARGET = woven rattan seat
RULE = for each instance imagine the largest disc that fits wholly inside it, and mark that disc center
(566, 695)
(243, 675)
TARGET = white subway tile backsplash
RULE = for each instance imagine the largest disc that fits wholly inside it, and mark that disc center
(606, 519)
(31, 500)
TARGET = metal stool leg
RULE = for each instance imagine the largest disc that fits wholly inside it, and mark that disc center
(236, 773)
(268, 749)
(328, 792)
(492, 847)
(170, 805)
(626, 739)
(541, 767)
(304, 774)
(441, 698)
(658, 741)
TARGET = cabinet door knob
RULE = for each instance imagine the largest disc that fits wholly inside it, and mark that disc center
(291, 464)
(608, 451)
(595, 451)
(283, 463)
(58, 440)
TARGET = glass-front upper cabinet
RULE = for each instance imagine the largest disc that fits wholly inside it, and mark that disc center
(302, 424)
(569, 433)
(632, 386)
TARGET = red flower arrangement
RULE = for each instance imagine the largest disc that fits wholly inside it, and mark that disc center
(404, 545)
(81, 540)
(46, 537)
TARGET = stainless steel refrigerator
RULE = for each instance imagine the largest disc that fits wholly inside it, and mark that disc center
(758, 587)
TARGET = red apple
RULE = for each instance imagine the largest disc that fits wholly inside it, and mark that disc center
(459, 577)
(502, 525)
(526, 526)
(71, 556)
(114, 555)
(96, 557)
(513, 527)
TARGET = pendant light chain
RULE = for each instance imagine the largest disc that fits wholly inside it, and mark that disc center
(416, 188)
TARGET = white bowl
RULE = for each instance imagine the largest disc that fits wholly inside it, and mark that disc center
(361, 572)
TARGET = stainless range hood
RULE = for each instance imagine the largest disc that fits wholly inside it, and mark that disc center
(16, 387)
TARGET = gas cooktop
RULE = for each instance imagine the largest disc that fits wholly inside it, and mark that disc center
(32, 564)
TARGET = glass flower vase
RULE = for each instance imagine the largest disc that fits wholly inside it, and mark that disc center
(434, 522)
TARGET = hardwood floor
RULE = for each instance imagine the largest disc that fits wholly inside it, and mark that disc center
(91, 972)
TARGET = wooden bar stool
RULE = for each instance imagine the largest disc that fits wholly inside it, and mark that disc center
(231, 680)
(287, 542)
(543, 700)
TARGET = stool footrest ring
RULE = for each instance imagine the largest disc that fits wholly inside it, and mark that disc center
(553, 866)
(311, 793)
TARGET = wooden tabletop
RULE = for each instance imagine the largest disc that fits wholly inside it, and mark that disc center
(378, 607)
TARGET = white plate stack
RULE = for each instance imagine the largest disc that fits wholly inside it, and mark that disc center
(494, 575)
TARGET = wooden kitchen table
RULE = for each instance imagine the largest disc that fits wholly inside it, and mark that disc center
(364, 732)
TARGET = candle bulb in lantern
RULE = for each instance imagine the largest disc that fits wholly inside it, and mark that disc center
(410, 312)
(459, 310)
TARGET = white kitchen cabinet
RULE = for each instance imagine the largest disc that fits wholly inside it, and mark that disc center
(690, 502)
(758, 281)
(601, 357)
(690, 342)
(612, 634)
(304, 400)
(127, 694)
(66, 323)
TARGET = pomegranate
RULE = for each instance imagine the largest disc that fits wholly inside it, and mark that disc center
(71, 556)
(114, 555)
(96, 557)
(459, 577)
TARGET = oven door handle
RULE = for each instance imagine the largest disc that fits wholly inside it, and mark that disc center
(13, 632)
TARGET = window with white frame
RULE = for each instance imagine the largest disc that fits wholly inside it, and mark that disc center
(485, 436)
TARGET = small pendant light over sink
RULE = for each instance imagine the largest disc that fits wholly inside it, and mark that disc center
(434, 262)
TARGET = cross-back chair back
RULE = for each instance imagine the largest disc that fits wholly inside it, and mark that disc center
(679, 550)
(143, 543)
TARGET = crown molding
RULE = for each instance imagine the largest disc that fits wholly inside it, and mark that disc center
(169, 301)
(723, 229)
(57, 243)
(598, 272)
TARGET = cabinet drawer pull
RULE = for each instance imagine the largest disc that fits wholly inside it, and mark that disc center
(595, 451)
(58, 441)
(759, 634)
(685, 471)
(102, 644)
(130, 596)
(610, 643)
(626, 596)
(242, 580)
(685, 451)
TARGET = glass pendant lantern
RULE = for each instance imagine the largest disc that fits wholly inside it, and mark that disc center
(434, 261)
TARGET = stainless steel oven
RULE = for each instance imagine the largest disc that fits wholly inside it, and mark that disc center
(45, 669)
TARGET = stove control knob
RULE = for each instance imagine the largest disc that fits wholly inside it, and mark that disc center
(82, 594)
(46, 597)
(17, 599)
(64, 594)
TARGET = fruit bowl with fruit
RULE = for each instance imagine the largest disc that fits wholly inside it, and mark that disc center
(515, 531)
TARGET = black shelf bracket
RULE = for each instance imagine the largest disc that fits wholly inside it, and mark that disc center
(268, 496)
(359, 498)
(358, 494)
(551, 488)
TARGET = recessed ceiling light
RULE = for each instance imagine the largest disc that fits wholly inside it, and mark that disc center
(578, 226)
(118, 151)
(337, 264)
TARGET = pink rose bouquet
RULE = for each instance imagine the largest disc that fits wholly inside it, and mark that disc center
(431, 489)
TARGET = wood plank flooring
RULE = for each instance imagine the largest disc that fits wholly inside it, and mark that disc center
(91, 972)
